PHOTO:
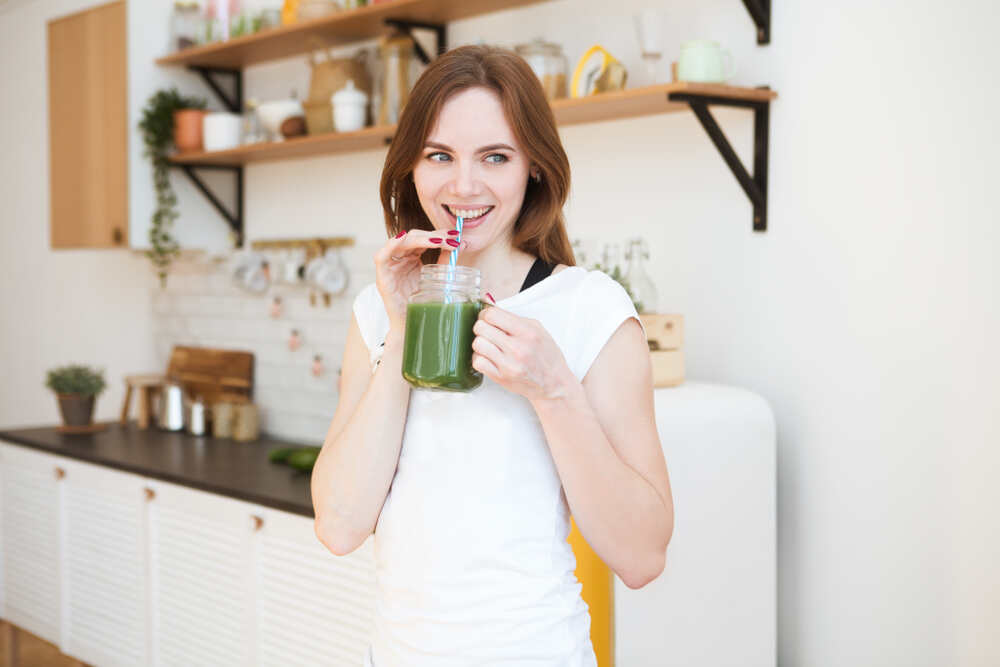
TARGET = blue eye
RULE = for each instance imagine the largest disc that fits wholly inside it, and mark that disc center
(503, 158)
(431, 157)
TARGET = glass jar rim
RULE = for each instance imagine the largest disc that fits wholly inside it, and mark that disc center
(443, 271)
(538, 45)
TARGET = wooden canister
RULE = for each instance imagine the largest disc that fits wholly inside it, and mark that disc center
(223, 416)
(246, 423)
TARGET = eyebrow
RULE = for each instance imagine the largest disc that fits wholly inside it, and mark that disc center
(491, 147)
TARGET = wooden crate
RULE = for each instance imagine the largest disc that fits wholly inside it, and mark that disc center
(665, 334)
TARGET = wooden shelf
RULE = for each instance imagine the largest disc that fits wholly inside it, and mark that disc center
(336, 29)
(607, 106)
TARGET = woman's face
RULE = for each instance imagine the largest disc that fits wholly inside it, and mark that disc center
(472, 165)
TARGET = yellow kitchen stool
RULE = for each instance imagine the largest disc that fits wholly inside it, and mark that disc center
(599, 594)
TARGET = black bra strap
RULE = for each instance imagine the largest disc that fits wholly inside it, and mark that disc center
(539, 271)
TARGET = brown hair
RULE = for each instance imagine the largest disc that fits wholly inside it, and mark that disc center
(539, 228)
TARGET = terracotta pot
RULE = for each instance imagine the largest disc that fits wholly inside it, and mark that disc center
(187, 129)
(76, 409)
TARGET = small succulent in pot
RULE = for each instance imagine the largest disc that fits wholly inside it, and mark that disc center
(76, 386)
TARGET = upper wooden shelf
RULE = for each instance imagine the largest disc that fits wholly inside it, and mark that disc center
(607, 106)
(343, 27)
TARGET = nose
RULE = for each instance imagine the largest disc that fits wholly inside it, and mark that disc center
(465, 182)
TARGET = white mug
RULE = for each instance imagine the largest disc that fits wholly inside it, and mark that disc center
(220, 131)
(704, 61)
(292, 269)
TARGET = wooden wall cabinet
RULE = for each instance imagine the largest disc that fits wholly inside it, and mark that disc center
(88, 129)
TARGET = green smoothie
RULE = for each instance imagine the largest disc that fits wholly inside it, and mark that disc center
(437, 350)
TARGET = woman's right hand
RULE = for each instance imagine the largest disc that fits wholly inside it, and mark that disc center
(397, 269)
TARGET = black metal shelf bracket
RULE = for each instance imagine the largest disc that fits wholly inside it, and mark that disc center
(755, 186)
(408, 26)
(233, 103)
(760, 12)
(235, 219)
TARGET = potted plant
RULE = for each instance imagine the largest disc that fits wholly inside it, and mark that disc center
(157, 125)
(76, 387)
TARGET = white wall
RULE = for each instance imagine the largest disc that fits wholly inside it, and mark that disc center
(56, 307)
(863, 315)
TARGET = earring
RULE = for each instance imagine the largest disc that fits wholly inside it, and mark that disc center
(537, 177)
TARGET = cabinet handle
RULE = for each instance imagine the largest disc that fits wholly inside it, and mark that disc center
(150, 493)
(60, 473)
(258, 522)
(117, 236)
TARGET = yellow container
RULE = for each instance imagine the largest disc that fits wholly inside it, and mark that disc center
(599, 594)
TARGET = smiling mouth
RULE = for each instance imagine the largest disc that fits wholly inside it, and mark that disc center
(468, 214)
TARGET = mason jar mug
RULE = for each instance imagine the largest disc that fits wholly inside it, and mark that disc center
(437, 346)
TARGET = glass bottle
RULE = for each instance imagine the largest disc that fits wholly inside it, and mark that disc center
(611, 259)
(252, 132)
(549, 64)
(437, 347)
(184, 25)
(643, 289)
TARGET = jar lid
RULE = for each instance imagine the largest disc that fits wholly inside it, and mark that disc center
(539, 45)
(349, 95)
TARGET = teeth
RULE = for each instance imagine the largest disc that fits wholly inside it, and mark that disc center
(468, 213)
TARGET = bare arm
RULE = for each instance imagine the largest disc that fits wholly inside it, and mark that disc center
(603, 438)
(354, 470)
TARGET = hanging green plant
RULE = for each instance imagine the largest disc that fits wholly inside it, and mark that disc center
(157, 127)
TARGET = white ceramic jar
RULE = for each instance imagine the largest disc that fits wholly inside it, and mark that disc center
(221, 131)
(350, 108)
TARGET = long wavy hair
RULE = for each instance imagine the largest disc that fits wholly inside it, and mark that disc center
(539, 229)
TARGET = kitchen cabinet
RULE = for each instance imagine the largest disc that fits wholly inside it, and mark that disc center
(103, 565)
(200, 580)
(119, 569)
(312, 608)
(88, 129)
(29, 498)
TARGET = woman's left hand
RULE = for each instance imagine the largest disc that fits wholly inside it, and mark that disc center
(519, 354)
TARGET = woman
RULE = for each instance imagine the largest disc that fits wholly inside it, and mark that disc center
(469, 494)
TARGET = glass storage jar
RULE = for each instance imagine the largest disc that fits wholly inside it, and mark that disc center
(549, 64)
(437, 346)
(185, 25)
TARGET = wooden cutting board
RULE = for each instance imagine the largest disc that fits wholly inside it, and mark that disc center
(214, 374)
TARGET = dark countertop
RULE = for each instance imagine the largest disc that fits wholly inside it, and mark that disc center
(236, 469)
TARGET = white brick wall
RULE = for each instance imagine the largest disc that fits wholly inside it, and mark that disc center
(200, 306)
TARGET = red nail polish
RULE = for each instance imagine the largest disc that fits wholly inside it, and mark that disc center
(452, 242)
(401, 234)
(434, 239)
(452, 232)
(491, 297)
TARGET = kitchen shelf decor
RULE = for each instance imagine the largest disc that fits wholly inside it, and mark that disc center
(157, 126)
(350, 26)
(568, 111)
(335, 29)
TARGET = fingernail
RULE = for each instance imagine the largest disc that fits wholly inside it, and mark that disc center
(434, 240)
(452, 232)
(452, 242)
(401, 234)
(491, 297)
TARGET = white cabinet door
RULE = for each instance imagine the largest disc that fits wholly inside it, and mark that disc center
(104, 610)
(313, 608)
(30, 524)
(200, 577)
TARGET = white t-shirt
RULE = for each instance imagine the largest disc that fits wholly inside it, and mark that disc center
(473, 566)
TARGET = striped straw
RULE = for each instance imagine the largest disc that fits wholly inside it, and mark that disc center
(451, 263)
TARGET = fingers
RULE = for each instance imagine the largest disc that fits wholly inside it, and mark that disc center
(485, 366)
(413, 243)
(507, 322)
(495, 336)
